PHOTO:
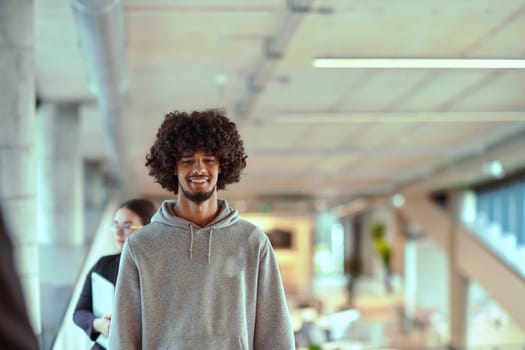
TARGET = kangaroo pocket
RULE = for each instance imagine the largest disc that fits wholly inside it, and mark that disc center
(208, 343)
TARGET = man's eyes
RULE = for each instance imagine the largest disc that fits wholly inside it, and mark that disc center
(191, 161)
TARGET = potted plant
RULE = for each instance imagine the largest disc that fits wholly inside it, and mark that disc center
(383, 249)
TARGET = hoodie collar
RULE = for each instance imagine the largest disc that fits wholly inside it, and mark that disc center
(227, 216)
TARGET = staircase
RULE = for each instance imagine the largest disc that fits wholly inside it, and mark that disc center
(480, 252)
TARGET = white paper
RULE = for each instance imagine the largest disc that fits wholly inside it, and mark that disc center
(102, 293)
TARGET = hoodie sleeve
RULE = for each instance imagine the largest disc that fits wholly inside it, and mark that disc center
(125, 331)
(273, 329)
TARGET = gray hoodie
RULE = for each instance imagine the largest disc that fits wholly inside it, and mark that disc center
(185, 287)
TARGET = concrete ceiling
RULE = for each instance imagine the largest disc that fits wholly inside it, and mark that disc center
(310, 133)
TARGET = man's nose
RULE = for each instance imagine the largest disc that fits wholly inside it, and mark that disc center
(198, 165)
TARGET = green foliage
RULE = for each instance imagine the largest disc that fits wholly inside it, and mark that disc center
(314, 347)
(381, 246)
(384, 251)
(377, 230)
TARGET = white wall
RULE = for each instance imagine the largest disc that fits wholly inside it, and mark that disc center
(426, 277)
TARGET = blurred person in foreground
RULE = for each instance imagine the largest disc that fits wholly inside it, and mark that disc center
(16, 332)
(199, 277)
(130, 216)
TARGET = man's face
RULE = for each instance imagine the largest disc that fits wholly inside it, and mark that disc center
(198, 174)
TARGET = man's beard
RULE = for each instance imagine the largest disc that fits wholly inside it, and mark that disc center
(198, 197)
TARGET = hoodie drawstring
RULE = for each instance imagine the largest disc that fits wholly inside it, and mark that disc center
(210, 237)
(191, 241)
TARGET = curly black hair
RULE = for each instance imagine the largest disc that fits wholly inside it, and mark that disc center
(208, 131)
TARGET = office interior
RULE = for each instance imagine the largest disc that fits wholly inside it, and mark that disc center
(385, 153)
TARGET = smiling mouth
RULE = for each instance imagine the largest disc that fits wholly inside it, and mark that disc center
(198, 180)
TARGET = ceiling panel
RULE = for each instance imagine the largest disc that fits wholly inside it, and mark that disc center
(400, 28)
(502, 91)
(309, 133)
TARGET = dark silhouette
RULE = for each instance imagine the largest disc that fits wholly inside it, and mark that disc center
(16, 332)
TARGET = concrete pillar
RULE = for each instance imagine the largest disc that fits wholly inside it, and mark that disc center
(95, 185)
(59, 176)
(17, 159)
(458, 310)
(458, 286)
(400, 234)
(59, 210)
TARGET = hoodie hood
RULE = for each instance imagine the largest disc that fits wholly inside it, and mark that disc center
(227, 217)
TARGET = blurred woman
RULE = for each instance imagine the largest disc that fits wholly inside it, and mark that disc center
(130, 216)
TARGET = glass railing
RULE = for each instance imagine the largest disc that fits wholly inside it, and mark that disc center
(504, 244)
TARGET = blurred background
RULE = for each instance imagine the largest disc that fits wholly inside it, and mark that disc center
(385, 140)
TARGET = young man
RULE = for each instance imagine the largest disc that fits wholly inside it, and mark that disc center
(199, 277)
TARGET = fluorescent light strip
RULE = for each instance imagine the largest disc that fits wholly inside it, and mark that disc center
(396, 120)
(419, 63)
(397, 117)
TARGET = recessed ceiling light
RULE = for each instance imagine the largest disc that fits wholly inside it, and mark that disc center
(493, 168)
(398, 200)
(221, 79)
